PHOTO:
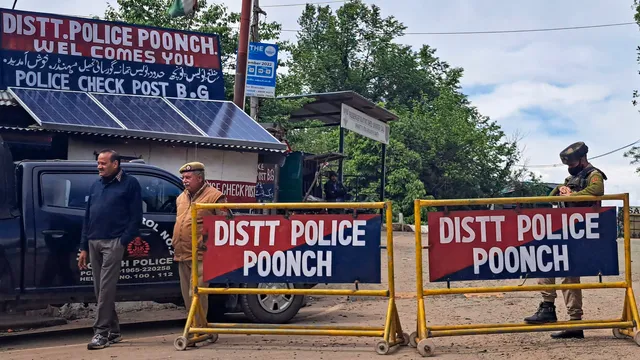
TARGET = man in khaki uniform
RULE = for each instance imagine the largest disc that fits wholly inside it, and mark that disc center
(584, 180)
(197, 190)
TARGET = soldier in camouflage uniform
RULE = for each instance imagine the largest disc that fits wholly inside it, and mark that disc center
(584, 180)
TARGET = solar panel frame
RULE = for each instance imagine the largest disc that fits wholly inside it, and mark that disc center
(274, 144)
(34, 109)
(140, 122)
(122, 130)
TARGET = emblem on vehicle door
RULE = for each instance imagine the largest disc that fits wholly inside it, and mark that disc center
(138, 248)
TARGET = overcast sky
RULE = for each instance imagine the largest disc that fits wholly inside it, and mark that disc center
(554, 88)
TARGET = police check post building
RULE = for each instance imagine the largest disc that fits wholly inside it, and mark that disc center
(505, 244)
(301, 248)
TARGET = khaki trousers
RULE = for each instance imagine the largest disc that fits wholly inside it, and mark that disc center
(106, 259)
(186, 286)
(572, 297)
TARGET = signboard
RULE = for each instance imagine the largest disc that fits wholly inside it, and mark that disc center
(634, 210)
(236, 191)
(48, 51)
(265, 188)
(364, 124)
(297, 249)
(262, 64)
(509, 244)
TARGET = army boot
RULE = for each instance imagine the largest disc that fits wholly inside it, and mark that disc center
(568, 334)
(546, 313)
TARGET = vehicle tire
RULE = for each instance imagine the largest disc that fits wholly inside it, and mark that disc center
(271, 309)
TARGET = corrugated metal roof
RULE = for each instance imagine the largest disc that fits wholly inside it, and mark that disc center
(327, 107)
(147, 138)
(6, 99)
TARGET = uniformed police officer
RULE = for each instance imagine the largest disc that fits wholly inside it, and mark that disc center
(584, 180)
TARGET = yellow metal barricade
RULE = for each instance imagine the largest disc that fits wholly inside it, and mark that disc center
(625, 327)
(391, 332)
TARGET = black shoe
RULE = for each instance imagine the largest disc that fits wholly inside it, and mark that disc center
(546, 313)
(114, 338)
(568, 334)
(98, 342)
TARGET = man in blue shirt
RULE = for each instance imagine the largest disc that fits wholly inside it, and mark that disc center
(112, 219)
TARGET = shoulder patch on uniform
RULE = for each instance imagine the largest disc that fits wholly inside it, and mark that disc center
(596, 177)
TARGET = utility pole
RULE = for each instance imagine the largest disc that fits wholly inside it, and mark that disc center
(255, 37)
(243, 48)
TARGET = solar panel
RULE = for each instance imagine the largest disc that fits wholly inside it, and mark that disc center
(146, 114)
(223, 119)
(64, 107)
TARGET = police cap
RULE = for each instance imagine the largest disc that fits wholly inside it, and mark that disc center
(192, 166)
(574, 152)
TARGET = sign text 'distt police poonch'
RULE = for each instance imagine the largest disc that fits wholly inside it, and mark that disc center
(297, 249)
(508, 244)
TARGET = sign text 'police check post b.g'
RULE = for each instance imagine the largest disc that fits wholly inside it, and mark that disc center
(297, 249)
(509, 244)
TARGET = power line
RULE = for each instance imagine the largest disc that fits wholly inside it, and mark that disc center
(590, 158)
(566, 28)
(305, 4)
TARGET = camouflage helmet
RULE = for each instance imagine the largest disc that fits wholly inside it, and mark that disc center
(574, 152)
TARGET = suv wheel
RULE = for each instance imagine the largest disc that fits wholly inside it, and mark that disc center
(273, 309)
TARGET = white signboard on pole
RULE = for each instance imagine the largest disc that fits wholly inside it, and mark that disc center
(363, 124)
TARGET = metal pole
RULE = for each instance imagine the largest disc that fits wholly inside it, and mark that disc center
(383, 175)
(341, 151)
(243, 48)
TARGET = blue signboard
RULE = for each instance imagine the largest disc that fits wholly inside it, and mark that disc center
(512, 244)
(337, 249)
(67, 53)
(261, 70)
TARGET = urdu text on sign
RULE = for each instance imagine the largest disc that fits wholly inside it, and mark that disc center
(58, 52)
(509, 244)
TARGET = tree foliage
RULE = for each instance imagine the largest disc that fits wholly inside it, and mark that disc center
(441, 146)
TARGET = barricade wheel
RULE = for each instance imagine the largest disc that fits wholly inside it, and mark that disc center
(406, 339)
(413, 339)
(213, 338)
(180, 343)
(618, 335)
(636, 338)
(426, 347)
(382, 347)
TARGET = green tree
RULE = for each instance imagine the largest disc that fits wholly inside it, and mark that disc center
(441, 146)
(354, 49)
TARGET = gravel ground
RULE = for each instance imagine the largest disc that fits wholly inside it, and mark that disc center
(450, 309)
